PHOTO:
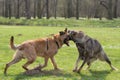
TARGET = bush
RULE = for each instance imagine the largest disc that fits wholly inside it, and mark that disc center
(61, 22)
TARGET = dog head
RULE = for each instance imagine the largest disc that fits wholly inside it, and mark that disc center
(64, 36)
(76, 36)
(61, 36)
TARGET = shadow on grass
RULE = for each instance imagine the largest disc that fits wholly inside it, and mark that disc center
(95, 75)
(45, 73)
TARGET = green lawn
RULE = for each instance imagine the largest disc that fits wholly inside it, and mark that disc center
(65, 58)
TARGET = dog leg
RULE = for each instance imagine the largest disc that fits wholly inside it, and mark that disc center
(104, 57)
(42, 66)
(109, 62)
(15, 60)
(28, 63)
(54, 63)
(78, 71)
(45, 64)
(76, 64)
(90, 62)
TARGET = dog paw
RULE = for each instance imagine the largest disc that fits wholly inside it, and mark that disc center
(32, 72)
(114, 69)
(58, 69)
(87, 68)
(74, 70)
(78, 71)
(37, 68)
(5, 74)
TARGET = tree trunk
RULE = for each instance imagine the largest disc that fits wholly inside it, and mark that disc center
(110, 10)
(115, 9)
(27, 9)
(39, 12)
(47, 9)
(34, 14)
(77, 9)
(9, 9)
(69, 8)
(18, 9)
(55, 8)
(3, 8)
(108, 7)
(6, 8)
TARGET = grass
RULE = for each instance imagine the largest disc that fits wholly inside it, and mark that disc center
(66, 57)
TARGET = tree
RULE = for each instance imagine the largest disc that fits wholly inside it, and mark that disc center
(77, 9)
(55, 8)
(108, 6)
(47, 9)
(115, 9)
(3, 8)
(6, 8)
(39, 9)
(34, 14)
(18, 9)
(97, 11)
(61, 8)
(69, 9)
(27, 9)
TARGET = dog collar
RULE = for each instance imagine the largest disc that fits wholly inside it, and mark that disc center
(57, 44)
(47, 45)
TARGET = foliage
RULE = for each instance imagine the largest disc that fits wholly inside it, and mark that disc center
(66, 57)
(59, 22)
(60, 8)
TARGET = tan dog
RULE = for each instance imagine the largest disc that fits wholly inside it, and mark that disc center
(45, 47)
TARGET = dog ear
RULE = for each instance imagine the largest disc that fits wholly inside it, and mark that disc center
(61, 32)
(69, 31)
(65, 30)
(81, 34)
(74, 33)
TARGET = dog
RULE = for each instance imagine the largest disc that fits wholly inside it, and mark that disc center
(89, 49)
(44, 47)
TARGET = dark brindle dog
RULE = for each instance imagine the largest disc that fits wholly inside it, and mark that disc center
(89, 50)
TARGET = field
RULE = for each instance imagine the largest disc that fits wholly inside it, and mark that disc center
(109, 37)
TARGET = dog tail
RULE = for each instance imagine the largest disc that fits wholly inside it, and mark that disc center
(12, 43)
